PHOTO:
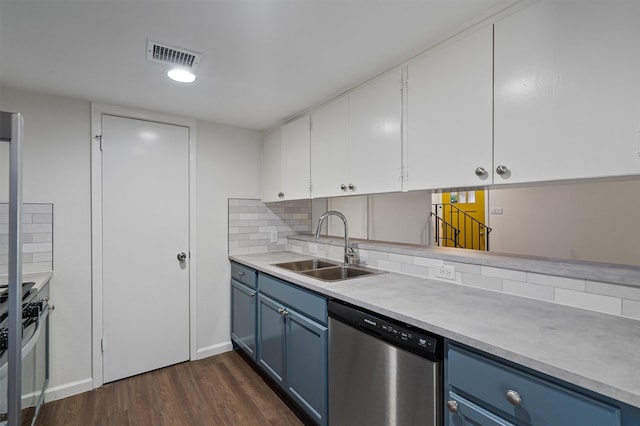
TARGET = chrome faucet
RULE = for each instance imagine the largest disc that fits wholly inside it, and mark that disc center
(349, 253)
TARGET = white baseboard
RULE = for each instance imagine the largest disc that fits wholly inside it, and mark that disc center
(85, 385)
(214, 350)
(68, 389)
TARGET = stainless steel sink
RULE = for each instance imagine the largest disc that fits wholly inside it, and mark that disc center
(338, 273)
(306, 265)
(326, 271)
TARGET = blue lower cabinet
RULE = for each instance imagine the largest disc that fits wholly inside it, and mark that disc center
(243, 317)
(484, 391)
(293, 344)
(306, 362)
(271, 338)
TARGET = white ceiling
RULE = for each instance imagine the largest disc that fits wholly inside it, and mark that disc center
(263, 60)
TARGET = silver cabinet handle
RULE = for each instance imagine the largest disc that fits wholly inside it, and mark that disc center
(240, 274)
(182, 256)
(514, 398)
(252, 294)
(352, 187)
(280, 194)
(481, 171)
(283, 312)
(502, 170)
(343, 187)
(452, 406)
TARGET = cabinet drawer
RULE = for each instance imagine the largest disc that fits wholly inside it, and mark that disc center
(542, 403)
(243, 274)
(467, 414)
(302, 300)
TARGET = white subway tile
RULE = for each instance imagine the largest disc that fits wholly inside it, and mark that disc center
(418, 271)
(36, 267)
(42, 257)
(534, 291)
(465, 267)
(37, 227)
(42, 218)
(481, 281)
(428, 262)
(559, 282)
(386, 265)
(631, 308)
(615, 290)
(506, 274)
(36, 247)
(591, 302)
(401, 258)
(37, 208)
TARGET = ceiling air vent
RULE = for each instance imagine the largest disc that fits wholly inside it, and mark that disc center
(171, 55)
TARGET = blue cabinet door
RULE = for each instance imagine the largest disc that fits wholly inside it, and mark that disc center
(243, 317)
(271, 338)
(306, 362)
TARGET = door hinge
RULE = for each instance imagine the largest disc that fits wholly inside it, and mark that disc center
(99, 138)
(102, 344)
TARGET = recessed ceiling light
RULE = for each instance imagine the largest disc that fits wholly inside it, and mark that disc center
(181, 75)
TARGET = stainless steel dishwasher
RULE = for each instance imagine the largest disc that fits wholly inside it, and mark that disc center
(382, 372)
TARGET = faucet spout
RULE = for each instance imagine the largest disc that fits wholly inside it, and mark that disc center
(349, 253)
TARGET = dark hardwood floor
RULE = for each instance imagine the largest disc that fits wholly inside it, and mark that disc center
(221, 390)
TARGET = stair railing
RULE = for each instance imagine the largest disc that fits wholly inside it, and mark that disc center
(472, 233)
(445, 234)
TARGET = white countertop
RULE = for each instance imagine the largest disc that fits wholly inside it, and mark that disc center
(595, 351)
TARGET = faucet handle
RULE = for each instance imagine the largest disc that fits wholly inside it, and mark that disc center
(351, 256)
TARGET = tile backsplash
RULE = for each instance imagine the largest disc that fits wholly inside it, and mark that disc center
(583, 293)
(256, 227)
(37, 238)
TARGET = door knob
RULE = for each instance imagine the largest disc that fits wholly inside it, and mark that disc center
(481, 171)
(343, 187)
(352, 187)
(182, 256)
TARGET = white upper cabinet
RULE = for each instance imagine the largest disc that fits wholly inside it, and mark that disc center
(329, 149)
(295, 159)
(285, 162)
(567, 91)
(375, 136)
(450, 102)
(271, 167)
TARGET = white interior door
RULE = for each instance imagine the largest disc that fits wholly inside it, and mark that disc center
(145, 188)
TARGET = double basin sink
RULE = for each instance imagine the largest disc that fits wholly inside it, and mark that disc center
(326, 271)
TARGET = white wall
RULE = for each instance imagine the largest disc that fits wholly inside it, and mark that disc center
(56, 154)
(56, 163)
(228, 166)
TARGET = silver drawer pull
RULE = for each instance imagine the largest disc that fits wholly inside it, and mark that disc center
(452, 406)
(252, 294)
(240, 273)
(514, 398)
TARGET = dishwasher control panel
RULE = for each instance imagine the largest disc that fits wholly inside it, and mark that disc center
(412, 339)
